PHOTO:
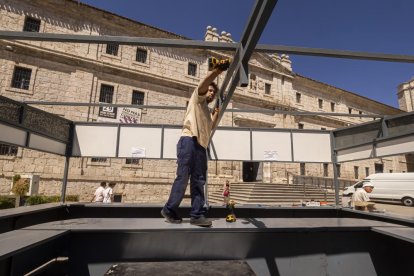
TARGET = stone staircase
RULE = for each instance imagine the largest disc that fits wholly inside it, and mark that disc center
(273, 194)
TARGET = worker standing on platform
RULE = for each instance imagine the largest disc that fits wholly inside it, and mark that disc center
(191, 151)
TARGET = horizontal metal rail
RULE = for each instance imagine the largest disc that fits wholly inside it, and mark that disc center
(225, 46)
(235, 110)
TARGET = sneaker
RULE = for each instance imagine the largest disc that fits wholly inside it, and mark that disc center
(201, 221)
(171, 219)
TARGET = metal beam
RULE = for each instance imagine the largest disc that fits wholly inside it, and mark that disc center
(196, 44)
(257, 21)
(123, 40)
(334, 53)
(235, 110)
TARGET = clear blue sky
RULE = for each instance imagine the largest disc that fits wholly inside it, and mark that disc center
(358, 25)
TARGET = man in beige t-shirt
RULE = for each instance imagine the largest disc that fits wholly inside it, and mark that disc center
(191, 153)
(360, 199)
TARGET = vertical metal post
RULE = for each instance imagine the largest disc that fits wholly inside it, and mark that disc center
(65, 179)
(335, 170)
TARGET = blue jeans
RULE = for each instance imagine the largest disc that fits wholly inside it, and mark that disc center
(192, 163)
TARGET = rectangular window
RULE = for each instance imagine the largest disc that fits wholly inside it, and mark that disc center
(192, 69)
(379, 168)
(98, 160)
(298, 97)
(366, 171)
(268, 88)
(141, 55)
(107, 93)
(349, 110)
(21, 78)
(112, 49)
(356, 172)
(323, 128)
(320, 103)
(132, 161)
(332, 107)
(338, 169)
(138, 97)
(283, 80)
(302, 168)
(391, 171)
(31, 25)
(300, 126)
(325, 169)
(8, 150)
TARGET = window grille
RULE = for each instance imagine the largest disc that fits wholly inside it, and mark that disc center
(268, 88)
(112, 49)
(21, 78)
(325, 170)
(141, 55)
(302, 168)
(192, 69)
(132, 161)
(138, 97)
(31, 25)
(107, 93)
(8, 150)
(98, 160)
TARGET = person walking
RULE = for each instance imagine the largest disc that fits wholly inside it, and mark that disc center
(191, 152)
(226, 193)
(98, 195)
(109, 193)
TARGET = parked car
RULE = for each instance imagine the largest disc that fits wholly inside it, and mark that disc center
(388, 187)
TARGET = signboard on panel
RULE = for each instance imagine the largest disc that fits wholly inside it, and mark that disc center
(123, 115)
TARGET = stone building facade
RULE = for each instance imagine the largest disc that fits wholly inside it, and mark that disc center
(124, 74)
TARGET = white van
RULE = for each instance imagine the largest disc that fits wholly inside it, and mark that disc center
(388, 187)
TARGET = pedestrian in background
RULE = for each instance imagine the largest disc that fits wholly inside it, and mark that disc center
(98, 195)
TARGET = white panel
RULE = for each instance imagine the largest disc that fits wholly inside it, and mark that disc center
(96, 141)
(232, 144)
(272, 146)
(144, 142)
(171, 137)
(46, 144)
(363, 152)
(12, 135)
(312, 147)
(396, 146)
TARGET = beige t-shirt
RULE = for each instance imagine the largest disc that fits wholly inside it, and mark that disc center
(360, 198)
(197, 121)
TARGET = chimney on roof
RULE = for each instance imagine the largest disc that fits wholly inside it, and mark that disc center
(211, 34)
(286, 62)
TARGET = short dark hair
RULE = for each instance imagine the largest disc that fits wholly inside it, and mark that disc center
(103, 183)
(215, 86)
(112, 184)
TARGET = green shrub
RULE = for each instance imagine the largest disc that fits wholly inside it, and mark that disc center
(6, 202)
(37, 199)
